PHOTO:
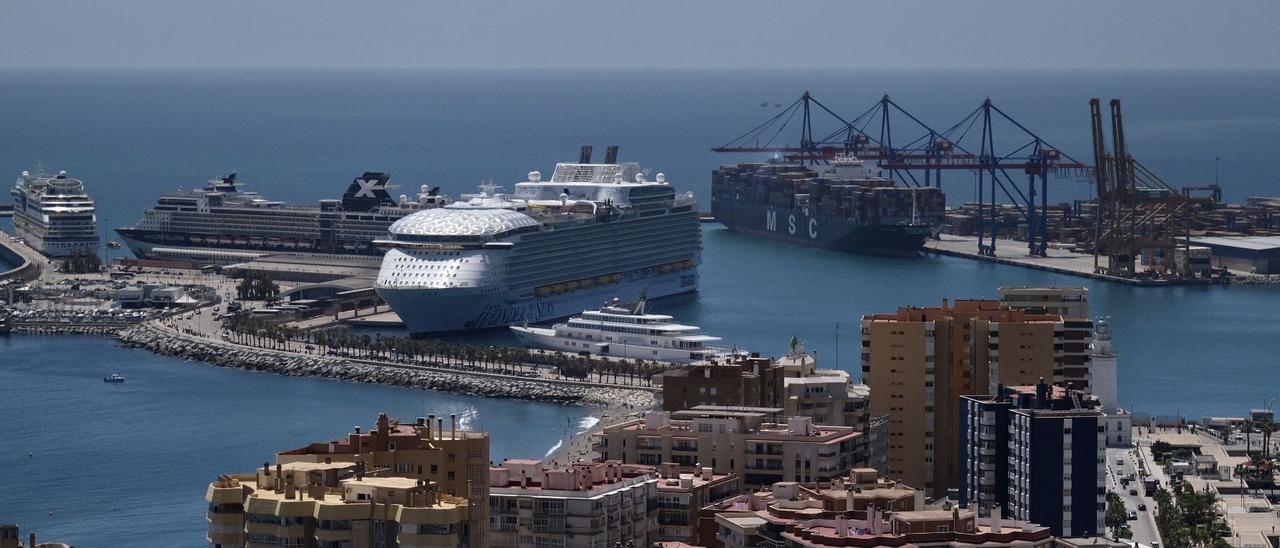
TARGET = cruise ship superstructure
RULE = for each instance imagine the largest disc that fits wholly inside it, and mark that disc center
(54, 214)
(552, 248)
(625, 331)
(221, 223)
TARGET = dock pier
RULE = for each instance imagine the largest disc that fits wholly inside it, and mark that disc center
(1057, 260)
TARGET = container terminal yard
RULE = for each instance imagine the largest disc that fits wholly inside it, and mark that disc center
(1138, 229)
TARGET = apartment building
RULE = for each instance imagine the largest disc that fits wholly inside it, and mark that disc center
(682, 494)
(753, 443)
(587, 505)
(455, 461)
(918, 361)
(743, 381)
(788, 503)
(955, 528)
(1036, 453)
(11, 537)
(332, 505)
(1072, 303)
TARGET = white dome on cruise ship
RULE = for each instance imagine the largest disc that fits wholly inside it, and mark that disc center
(461, 222)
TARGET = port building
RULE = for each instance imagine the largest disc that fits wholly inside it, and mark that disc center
(1255, 254)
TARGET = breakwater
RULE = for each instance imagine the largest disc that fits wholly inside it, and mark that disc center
(16, 266)
(222, 354)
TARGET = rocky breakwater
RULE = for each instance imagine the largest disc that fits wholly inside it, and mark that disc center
(223, 354)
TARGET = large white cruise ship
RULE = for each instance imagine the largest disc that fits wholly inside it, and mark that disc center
(624, 331)
(221, 223)
(551, 249)
(54, 215)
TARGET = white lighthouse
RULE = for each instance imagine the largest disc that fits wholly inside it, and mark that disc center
(1102, 373)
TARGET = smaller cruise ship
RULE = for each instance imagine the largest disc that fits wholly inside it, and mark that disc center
(53, 214)
(624, 331)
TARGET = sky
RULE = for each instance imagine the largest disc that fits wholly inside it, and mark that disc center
(633, 34)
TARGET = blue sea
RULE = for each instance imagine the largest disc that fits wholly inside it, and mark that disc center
(96, 465)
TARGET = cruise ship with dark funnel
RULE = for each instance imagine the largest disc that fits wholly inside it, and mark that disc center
(223, 224)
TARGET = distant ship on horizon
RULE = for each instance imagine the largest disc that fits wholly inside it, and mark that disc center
(223, 224)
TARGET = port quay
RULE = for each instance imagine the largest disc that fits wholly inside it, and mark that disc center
(947, 405)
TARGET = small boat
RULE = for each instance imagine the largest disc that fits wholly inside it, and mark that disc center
(113, 378)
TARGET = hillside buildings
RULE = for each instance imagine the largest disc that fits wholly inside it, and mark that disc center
(793, 382)
(321, 505)
(1035, 453)
(449, 460)
(918, 361)
(753, 443)
(584, 505)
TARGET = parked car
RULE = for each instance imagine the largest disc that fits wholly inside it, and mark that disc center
(1142, 508)
(1133, 492)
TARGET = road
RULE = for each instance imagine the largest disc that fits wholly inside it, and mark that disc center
(1121, 462)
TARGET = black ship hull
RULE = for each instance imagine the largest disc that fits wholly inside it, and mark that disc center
(798, 226)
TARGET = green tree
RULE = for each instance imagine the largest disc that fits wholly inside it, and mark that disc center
(1117, 517)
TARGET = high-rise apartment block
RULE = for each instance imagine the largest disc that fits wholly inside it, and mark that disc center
(1035, 453)
(918, 361)
(1072, 303)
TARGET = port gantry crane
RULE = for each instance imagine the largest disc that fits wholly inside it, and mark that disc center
(931, 152)
(1136, 212)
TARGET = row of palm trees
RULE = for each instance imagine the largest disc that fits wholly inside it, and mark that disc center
(1189, 519)
(246, 329)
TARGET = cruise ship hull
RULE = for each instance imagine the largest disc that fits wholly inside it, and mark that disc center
(798, 226)
(155, 245)
(426, 311)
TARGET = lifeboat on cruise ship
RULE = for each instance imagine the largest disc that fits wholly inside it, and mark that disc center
(558, 288)
(273, 242)
(602, 280)
(571, 286)
(349, 246)
(255, 241)
(585, 283)
(542, 291)
(290, 244)
(616, 278)
(666, 268)
(225, 240)
(241, 241)
(196, 239)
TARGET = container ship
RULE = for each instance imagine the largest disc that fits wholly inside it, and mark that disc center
(223, 224)
(551, 249)
(844, 206)
(54, 214)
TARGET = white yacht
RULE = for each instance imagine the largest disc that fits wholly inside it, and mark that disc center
(53, 214)
(624, 331)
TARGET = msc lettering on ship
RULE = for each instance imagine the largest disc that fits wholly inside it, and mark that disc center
(771, 224)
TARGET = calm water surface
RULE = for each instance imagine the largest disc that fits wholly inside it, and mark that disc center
(115, 462)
